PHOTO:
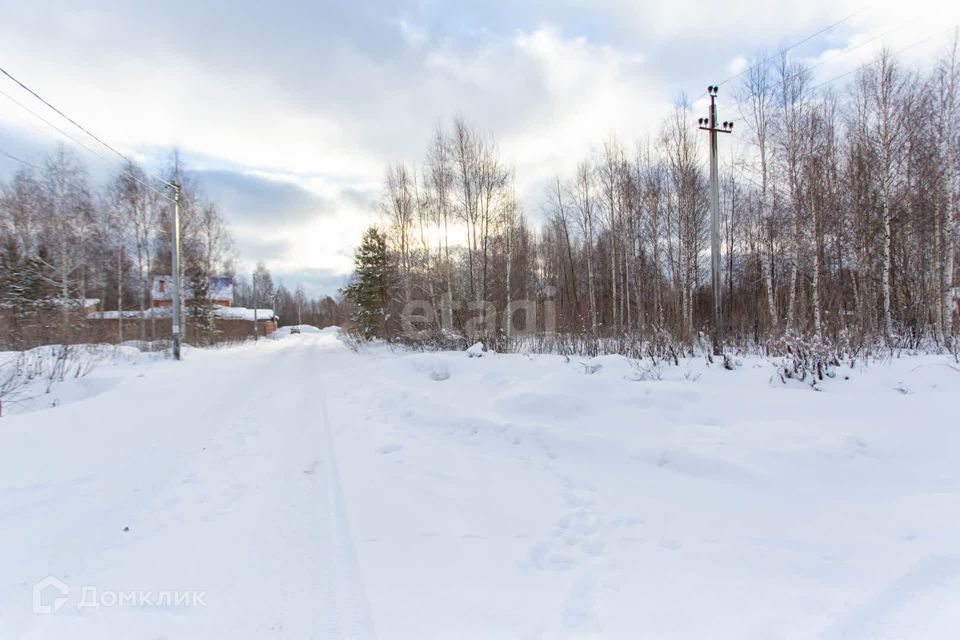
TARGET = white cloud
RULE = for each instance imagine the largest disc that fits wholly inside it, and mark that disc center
(323, 96)
(413, 35)
(737, 65)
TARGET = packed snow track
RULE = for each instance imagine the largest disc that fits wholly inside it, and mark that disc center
(296, 489)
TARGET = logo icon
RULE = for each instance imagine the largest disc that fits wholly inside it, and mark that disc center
(52, 585)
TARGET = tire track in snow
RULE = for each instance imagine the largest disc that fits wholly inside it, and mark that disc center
(907, 604)
(350, 605)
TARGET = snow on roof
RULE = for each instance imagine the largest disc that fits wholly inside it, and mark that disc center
(226, 313)
(221, 288)
(242, 313)
(153, 312)
(75, 303)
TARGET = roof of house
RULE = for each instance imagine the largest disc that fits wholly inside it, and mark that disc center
(221, 288)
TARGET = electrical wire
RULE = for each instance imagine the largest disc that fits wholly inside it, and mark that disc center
(793, 46)
(739, 103)
(78, 143)
(797, 44)
(76, 124)
(16, 159)
(900, 50)
(51, 125)
(861, 45)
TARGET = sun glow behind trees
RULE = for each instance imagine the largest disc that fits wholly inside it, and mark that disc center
(838, 213)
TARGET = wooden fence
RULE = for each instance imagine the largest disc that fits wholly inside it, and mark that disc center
(52, 327)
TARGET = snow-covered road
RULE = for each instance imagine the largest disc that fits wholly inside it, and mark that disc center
(294, 489)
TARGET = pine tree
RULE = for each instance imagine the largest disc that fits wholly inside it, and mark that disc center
(368, 286)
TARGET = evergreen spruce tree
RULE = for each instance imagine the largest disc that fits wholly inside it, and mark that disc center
(25, 293)
(200, 310)
(368, 286)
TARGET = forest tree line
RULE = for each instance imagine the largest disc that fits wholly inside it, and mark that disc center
(293, 307)
(838, 221)
(64, 241)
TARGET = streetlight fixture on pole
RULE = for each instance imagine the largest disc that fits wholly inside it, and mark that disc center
(710, 124)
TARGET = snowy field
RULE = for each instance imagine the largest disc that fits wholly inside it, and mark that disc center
(295, 489)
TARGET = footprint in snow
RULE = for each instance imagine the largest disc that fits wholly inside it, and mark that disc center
(672, 545)
(389, 448)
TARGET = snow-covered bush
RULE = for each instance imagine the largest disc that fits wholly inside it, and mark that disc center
(806, 360)
(646, 370)
(435, 340)
(590, 368)
(351, 340)
(476, 350)
(37, 370)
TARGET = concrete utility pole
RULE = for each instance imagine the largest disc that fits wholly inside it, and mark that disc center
(710, 124)
(175, 251)
(256, 333)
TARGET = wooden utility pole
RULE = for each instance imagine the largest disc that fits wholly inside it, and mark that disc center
(710, 124)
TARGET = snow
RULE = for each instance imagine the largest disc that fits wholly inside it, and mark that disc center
(476, 350)
(153, 312)
(75, 303)
(85, 371)
(227, 313)
(304, 328)
(242, 313)
(298, 489)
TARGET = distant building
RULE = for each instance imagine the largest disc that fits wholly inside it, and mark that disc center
(221, 291)
(91, 305)
(267, 321)
(87, 305)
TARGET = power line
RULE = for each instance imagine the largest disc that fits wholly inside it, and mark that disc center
(49, 124)
(16, 159)
(30, 123)
(820, 85)
(900, 50)
(74, 122)
(797, 44)
(78, 142)
(739, 103)
(793, 46)
(861, 45)
(177, 192)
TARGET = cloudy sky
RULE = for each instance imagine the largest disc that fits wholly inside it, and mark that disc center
(289, 112)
